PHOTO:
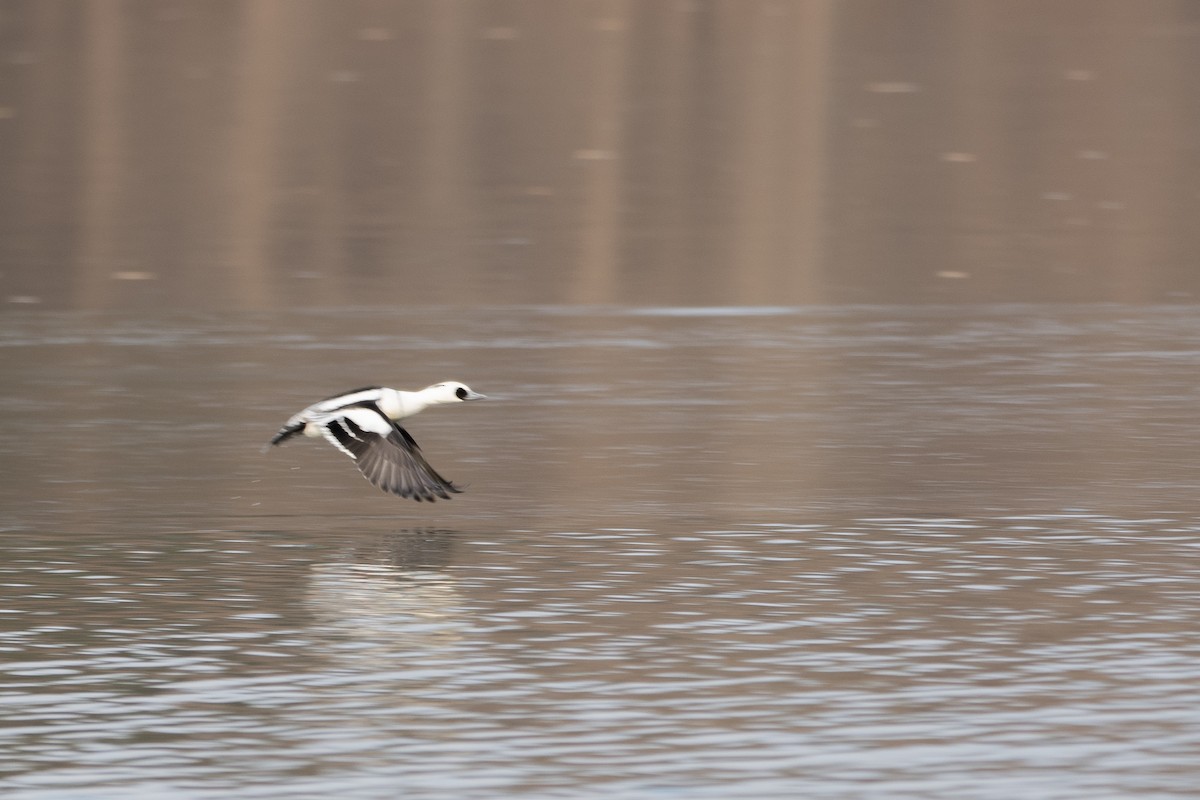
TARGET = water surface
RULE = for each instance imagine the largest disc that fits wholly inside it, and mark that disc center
(871, 551)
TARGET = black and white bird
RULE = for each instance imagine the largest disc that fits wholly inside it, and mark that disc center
(362, 424)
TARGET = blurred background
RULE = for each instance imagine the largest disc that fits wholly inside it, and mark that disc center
(276, 153)
(844, 357)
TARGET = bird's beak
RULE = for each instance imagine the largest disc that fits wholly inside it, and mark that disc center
(475, 396)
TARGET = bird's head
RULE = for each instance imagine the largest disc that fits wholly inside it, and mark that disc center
(450, 392)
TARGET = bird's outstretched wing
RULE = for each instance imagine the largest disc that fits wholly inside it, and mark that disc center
(366, 397)
(385, 454)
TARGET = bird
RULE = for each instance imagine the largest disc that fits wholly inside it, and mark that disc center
(362, 424)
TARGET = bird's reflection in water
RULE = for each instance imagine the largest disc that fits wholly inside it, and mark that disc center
(392, 595)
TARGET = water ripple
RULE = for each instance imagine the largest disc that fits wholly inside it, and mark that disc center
(757, 658)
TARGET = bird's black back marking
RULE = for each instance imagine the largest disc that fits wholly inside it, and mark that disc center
(347, 394)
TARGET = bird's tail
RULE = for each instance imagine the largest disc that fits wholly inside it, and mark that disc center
(285, 433)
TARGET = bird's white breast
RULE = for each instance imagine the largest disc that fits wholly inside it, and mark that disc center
(398, 405)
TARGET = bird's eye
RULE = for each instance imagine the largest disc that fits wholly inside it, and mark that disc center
(460, 393)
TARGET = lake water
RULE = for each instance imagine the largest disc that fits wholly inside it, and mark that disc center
(845, 365)
(857, 551)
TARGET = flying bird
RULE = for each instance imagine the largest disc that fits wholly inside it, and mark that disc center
(362, 424)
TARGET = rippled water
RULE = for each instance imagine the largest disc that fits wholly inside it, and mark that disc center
(767, 553)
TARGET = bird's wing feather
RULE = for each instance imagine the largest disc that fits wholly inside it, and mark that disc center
(385, 453)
